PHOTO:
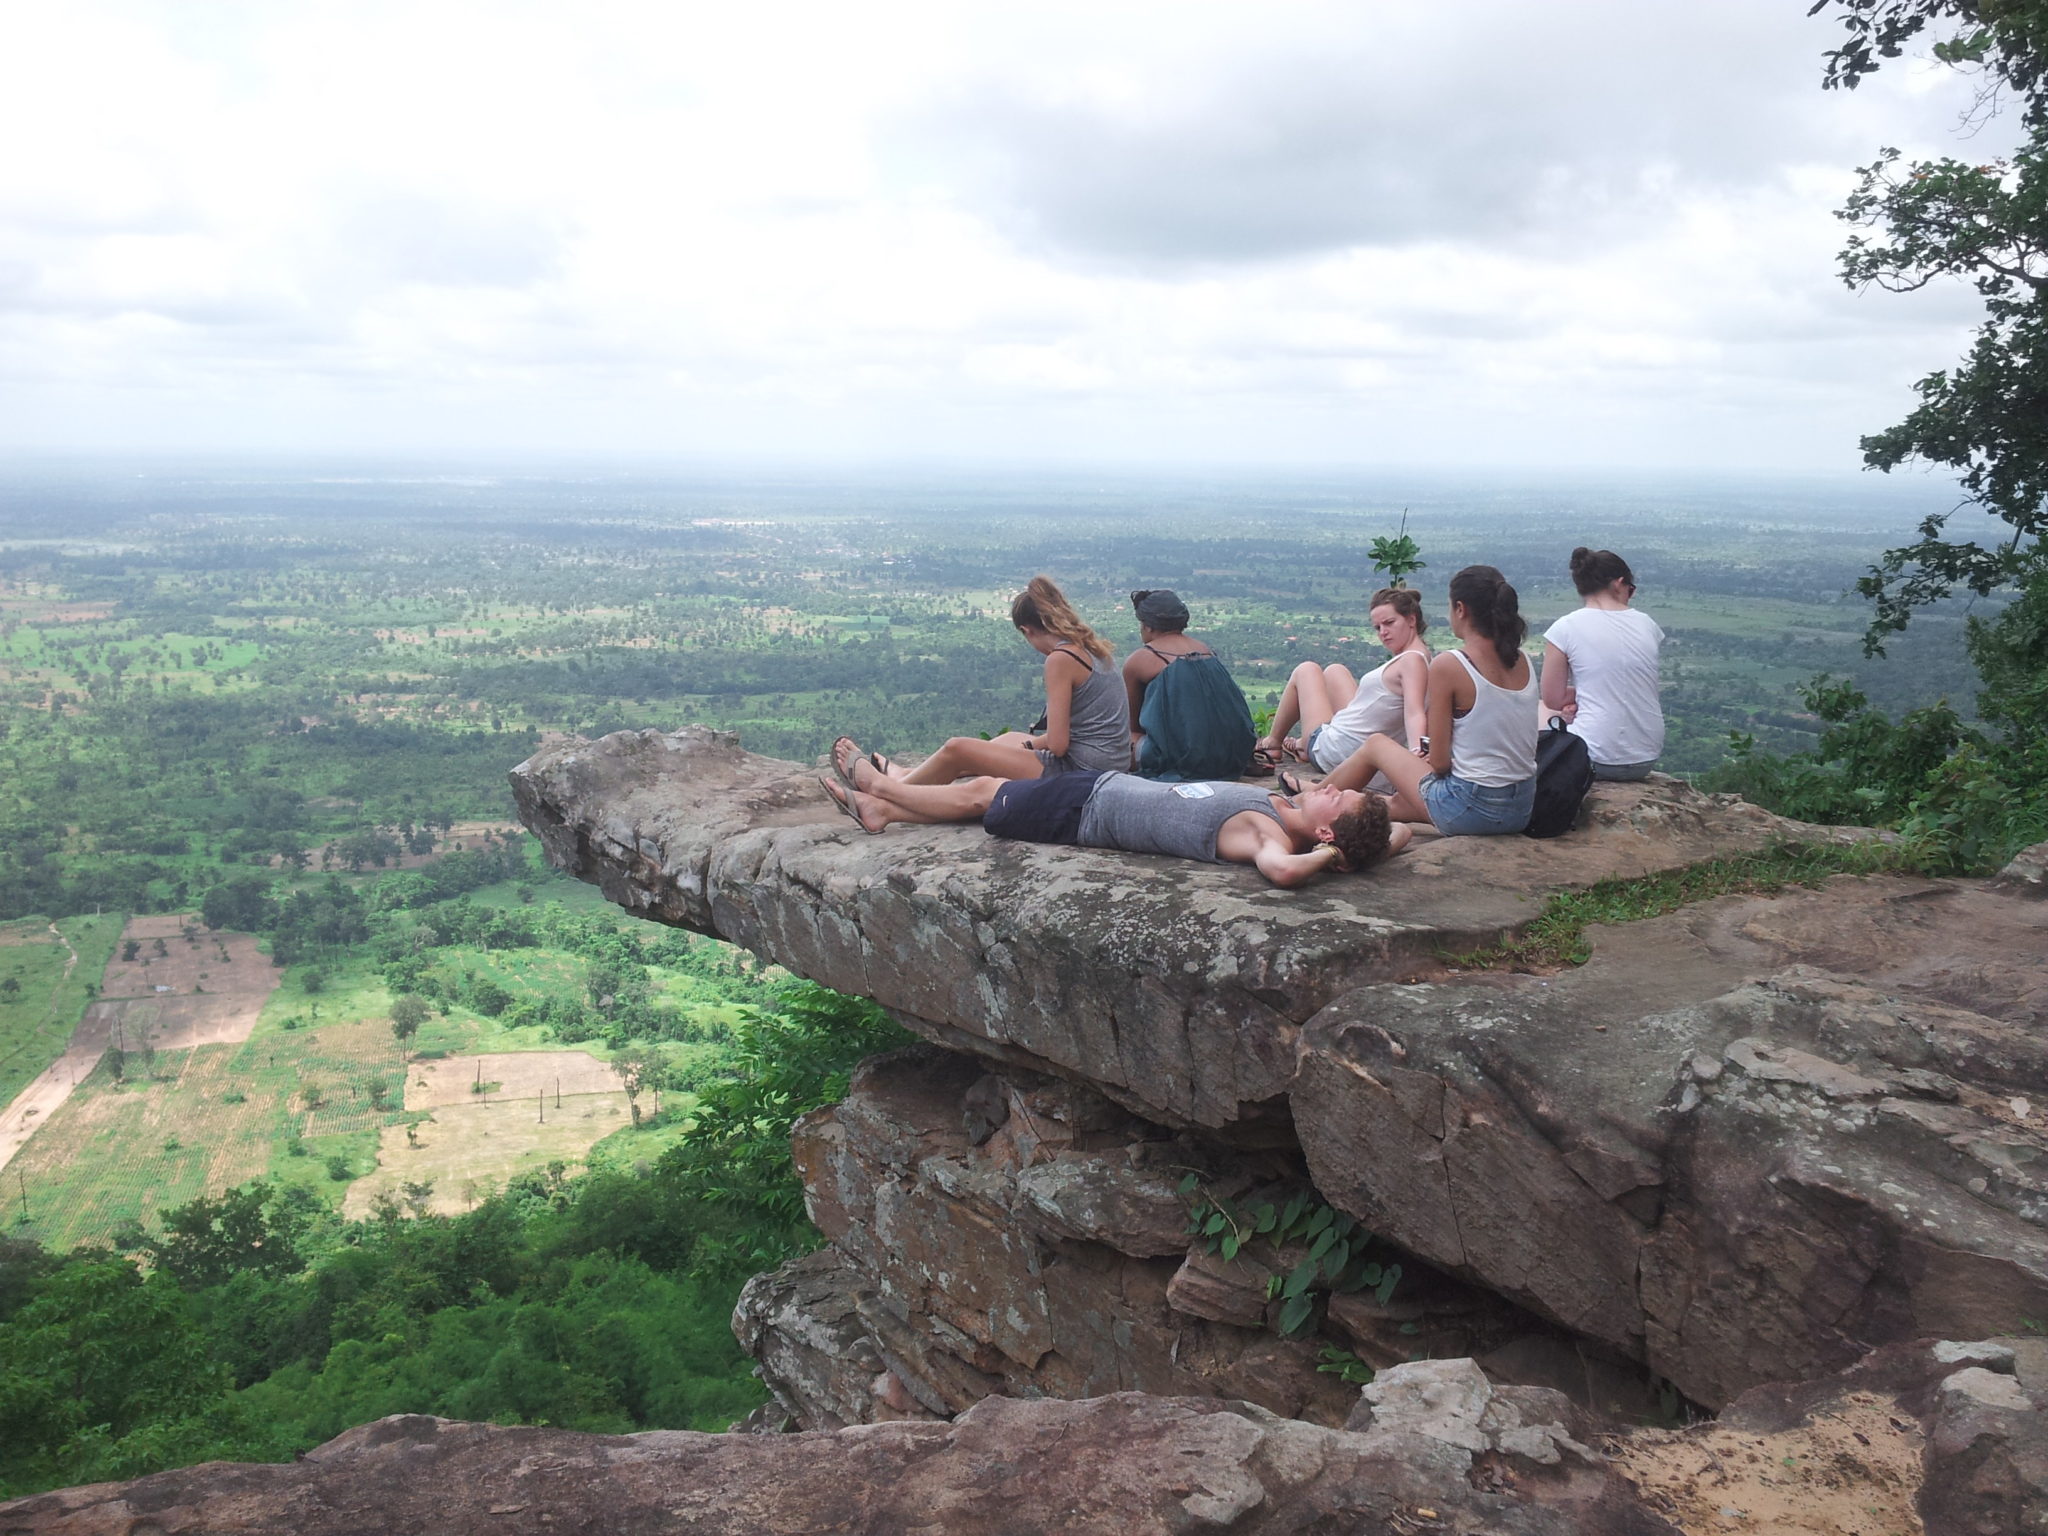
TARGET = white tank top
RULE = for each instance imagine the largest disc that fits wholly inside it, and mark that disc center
(1496, 742)
(1374, 708)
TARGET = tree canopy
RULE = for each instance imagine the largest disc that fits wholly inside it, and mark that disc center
(1984, 223)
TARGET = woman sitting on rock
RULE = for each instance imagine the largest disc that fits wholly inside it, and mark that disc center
(1086, 727)
(1600, 669)
(1480, 774)
(1337, 712)
(1189, 720)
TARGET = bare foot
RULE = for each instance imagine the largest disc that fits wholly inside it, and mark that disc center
(854, 805)
(846, 753)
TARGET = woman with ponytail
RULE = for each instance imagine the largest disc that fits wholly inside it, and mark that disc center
(1600, 669)
(1480, 774)
(1086, 727)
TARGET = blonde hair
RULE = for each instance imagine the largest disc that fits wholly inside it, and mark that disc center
(1043, 606)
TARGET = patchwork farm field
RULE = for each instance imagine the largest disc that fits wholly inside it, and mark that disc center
(466, 1151)
(202, 1066)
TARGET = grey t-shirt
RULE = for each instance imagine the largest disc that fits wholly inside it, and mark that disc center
(1099, 724)
(1138, 815)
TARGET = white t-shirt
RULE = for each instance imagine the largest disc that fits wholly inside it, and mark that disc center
(1613, 655)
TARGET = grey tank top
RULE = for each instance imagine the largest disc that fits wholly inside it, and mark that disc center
(1098, 723)
(1138, 815)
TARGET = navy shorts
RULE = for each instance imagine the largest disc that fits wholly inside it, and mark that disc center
(1040, 810)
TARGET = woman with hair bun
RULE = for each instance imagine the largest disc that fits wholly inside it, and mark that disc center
(1337, 712)
(1086, 725)
(1480, 775)
(1600, 669)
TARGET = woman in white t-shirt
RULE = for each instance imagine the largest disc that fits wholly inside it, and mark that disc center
(1600, 669)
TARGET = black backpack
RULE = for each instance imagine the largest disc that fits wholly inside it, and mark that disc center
(1564, 772)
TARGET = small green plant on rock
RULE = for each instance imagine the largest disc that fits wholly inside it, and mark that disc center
(1333, 1249)
(1399, 556)
(1342, 1362)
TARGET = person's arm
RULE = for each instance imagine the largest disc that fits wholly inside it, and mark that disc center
(1407, 676)
(1060, 682)
(1140, 667)
(1559, 697)
(1399, 836)
(1446, 676)
(1251, 837)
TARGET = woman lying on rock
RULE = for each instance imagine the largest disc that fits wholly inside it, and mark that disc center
(1287, 841)
(1086, 727)
(1480, 775)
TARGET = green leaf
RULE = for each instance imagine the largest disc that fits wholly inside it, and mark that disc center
(1335, 1260)
(1295, 1313)
(1187, 1185)
(1322, 1218)
(1299, 1279)
(1387, 1284)
(1230, 1246)
(1322, 1244)
(1213, 1225)
(1268, 1219)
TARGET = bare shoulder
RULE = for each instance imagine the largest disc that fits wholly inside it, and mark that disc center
(1142, 666)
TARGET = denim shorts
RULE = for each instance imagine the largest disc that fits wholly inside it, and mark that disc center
(1461, 808)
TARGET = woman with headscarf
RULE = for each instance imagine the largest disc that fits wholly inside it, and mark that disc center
(1189, 720)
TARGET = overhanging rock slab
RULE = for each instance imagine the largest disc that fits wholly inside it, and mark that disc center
(1746, 1140)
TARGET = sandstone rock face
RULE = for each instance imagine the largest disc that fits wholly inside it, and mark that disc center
(1180, 1000)
(1941, 1437)
(1007, 1233)
(1747, 1140)
(1123, 1465)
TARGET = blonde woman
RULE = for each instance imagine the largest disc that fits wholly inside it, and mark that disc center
(1087, 724)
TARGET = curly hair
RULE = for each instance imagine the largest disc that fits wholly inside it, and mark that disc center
(1360, 836)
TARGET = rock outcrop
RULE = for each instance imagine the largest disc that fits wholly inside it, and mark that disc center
(1946, 1438)
(1750, 1139)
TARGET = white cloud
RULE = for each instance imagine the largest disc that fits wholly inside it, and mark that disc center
(1476, 230)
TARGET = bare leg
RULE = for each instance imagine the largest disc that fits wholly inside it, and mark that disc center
(1313, 694)
(884, 800)
(1404, 770)
(965, 755)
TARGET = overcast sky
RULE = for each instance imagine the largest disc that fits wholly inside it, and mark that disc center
(1577, 232)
